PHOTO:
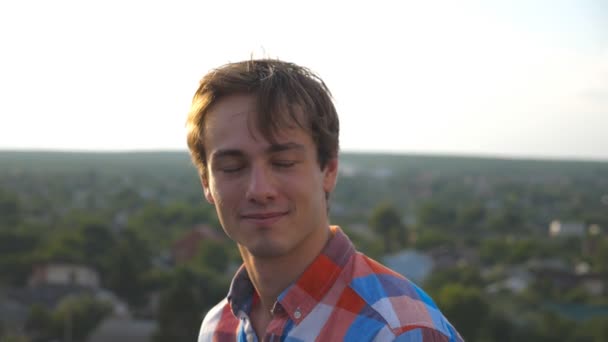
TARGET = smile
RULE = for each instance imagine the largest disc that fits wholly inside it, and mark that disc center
(264, 218)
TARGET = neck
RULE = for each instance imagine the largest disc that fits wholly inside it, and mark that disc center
(271, 275)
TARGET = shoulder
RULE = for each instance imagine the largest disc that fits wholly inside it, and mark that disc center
(407, 310)
(218, 320)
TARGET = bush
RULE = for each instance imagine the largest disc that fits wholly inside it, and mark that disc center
(77, 316)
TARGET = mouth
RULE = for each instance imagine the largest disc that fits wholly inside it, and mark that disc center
(265, 218)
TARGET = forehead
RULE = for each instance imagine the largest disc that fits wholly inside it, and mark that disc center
(229, 109)
(234, 120)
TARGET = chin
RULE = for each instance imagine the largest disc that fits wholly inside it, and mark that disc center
(267, 250)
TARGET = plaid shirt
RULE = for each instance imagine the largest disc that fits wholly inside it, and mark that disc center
(342, 296)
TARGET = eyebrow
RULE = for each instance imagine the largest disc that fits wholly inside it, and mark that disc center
(226, 153)
(274, 148)
(284, 147)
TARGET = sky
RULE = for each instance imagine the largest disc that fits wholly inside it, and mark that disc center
(490, 78)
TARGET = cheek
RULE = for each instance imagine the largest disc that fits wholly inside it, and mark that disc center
(218, 198)
(225, 195)
(307, 190)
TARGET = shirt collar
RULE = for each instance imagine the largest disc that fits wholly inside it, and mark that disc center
(307, 291)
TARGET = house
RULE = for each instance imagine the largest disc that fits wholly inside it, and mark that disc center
(516, 281)
(411, 264)
(13, 314)
(594, 284)
(187, 247)
(548, 263)
(591, 244)
(49, 285)
(124, 329)
(64, 274)
(564, 278)
(565, 229)
(444, 257)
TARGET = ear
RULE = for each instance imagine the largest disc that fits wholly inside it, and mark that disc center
(206, 189)
(330, 175)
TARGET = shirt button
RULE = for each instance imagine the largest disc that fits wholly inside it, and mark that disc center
(297, 314)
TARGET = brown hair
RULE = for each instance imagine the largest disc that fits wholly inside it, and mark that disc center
(282, 90)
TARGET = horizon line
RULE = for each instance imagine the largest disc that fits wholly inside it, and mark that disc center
(504, 156)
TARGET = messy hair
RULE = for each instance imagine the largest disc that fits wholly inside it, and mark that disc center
(285, 93)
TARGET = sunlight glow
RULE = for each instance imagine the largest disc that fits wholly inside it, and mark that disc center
(423, 77)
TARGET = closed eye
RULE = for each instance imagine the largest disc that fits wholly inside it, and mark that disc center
(231, 169)
(283, 163)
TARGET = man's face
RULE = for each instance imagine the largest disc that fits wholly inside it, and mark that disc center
(270, 198)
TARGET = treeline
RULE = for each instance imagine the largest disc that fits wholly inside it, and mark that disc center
(121, 214)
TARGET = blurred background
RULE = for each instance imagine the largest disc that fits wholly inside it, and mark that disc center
(474, 158)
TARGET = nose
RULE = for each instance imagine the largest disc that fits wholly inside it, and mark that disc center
(261, 188)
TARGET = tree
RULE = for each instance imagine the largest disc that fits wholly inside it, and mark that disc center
(17, 254)
(467, 276)
(386, 222)
(600, 260)
(470, 216)
(497, 328)
(432, 214)
(214, 255)
(75, 316)
(598, 329)
(159, 224)
(492, 251)
(430, 238)
(9, 209)
(125, 270)
(39, 324)
(64, 246)
(14, 338)
(97, 241)
(464, 307)
(553, 327)
(78, 316)
(184, 303)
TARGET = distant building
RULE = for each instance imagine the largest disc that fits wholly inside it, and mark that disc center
(13, 314)
(411, 264)
(64, 274)
(555, 264)
(444, 257)
(517, 280)
(564, 229)
(595, 230)
(119, 330)
(50, 296)
(565, 278)
(517, 283)
(187, 247)
(593, 283)
(591, 244)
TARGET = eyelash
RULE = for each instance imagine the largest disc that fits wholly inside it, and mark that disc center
(284, 164)
(281, 164)
(232, 169)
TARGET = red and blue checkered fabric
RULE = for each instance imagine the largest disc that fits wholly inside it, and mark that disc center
(342, 296)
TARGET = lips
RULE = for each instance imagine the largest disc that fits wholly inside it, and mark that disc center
(264, 218)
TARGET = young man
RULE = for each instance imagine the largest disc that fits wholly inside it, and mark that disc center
(264, 137)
